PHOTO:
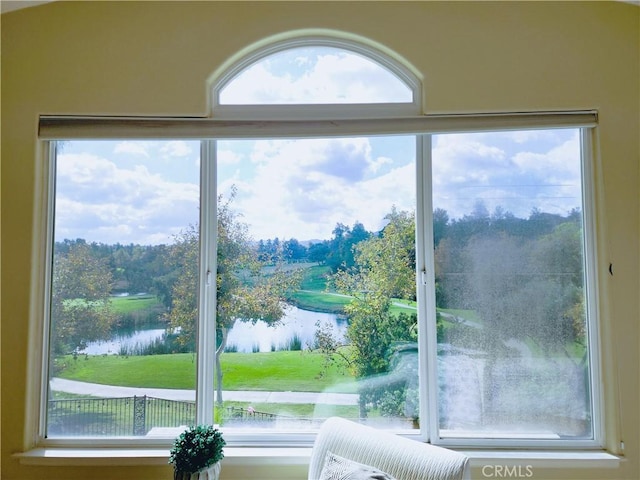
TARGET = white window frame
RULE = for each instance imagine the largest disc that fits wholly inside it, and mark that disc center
(301, 121)
(593, 332)
(72, 128)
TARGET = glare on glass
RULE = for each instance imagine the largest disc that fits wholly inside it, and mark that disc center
(510, 285)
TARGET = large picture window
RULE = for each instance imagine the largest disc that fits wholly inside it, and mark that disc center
(435, 282)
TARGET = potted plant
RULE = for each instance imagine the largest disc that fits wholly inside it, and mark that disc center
(196, 453)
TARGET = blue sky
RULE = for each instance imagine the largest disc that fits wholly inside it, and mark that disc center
(126, 192)
(517, 171)
(148, 191)
(315, 75)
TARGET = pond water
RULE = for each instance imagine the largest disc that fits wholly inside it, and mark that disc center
(123, 341)
(247, 337)
(244, 337)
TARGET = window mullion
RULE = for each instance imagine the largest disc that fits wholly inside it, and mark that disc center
(426, 290)
(207, 286)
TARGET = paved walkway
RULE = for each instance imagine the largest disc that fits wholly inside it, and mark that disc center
(110, 391)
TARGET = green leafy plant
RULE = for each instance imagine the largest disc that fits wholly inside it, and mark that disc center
(197, 448)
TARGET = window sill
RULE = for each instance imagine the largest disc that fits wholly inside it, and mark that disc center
(544, 459)
(282, 456)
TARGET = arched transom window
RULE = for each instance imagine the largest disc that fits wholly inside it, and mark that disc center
(317, 71)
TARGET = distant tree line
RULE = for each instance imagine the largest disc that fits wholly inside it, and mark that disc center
(467, 250)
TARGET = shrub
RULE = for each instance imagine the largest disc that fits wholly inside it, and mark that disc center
(196, 448)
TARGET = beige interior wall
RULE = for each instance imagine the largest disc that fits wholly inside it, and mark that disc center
(154, 58)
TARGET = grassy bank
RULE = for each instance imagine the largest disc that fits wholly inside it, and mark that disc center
(270, 371)
(317, 301)
(134, 303)
(313, 293)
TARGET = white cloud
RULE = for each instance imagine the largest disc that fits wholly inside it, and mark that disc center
(517, 171)
(302, 60)
(556, 166)
(100, 201)
(133, 148)
(175, 148)
(379, 162)
(302, 188)
(318, 75)
(228, 157)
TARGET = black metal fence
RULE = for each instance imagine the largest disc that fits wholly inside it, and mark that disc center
(249, 414)
(116, 416)
(249, 417)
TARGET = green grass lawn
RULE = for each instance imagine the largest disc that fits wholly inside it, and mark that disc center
(399, 305)
(269, 371)
(280, 371)
(161, 371)
(275, 371)
(313, 294)
(315, 278)
(134, 302)
(320, 301)
(465, 314)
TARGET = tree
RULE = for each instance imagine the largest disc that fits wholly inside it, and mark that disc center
(384, 268)
(341, 246)
(293, 250)
(80, 307)
(450, 263)
(335, 258)
(528, 295)
(559, 256)
(244, 292)
(384, 265)
(318, 252)
(183, 312)
(440, 222)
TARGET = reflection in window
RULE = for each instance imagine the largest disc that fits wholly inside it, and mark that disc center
(513, 355)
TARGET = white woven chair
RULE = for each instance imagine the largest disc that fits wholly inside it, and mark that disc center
(400, 457)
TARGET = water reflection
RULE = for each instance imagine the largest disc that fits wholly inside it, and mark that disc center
(244, 337)
(124, 342)
(297, 323)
